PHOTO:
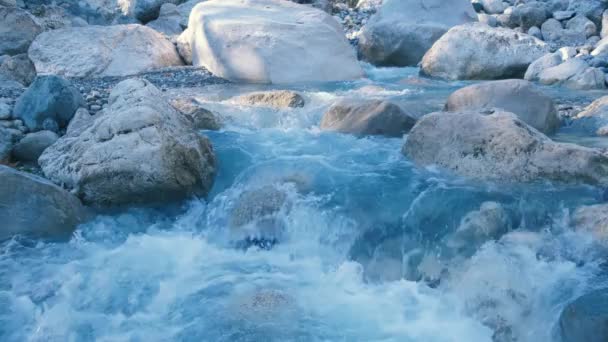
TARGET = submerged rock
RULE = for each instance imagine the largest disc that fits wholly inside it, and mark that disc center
(367, 117)
(269, 41)
(139, 150)
(404, 30)
(17, 29)
(586, 318)
(477, 51)
(500, 147)
(516, 96)
(32, 145)
(34, 206)
(279, 99)
(49, 104)
(94, 51)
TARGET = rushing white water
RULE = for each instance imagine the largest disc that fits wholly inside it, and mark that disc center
(359, 248)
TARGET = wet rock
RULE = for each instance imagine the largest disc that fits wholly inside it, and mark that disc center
(30, 148)
(586, 318)
(18, 68)
(279, 99)
(574, 73)
(34, 206)
(94, 51)
(477, 51)
(404, 30)
(49, 103)
(548, 61)
(200, 117)
(17, 29)
(594, 118)
(141, 150)
(230, 38)
(592, 219)
(500, 147)
(367, 117)
(516, 96)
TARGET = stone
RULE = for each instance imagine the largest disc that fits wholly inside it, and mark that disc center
(593, 118)
(278, 99)
(520, 97)
(139, 150)
(8, 3)
(586, 318)
(554, 33)
(200, 117)
(493, 6)
(500, 147)
(18, 68)
(168, 21)
(269, 41)
(476, 51)
(580, 23)
(17, 29)
(30, 148)
(574, 73)
(548, 61)
(96, 51)
(528, 15)
(50, 101)
(143, 10)
(487, 19)
(404, 30)
(6, 110)
(592, 9)
(82, 120)
(601, 48)
(592, 219)
(367, 117)
(604, 31)
(563, 15)
(535, 32)
(588, 79)
(8, 138)
(31, 205)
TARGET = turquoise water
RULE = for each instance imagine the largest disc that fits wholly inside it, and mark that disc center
(354, 245)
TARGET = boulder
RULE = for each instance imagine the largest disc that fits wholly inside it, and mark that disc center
(402, 31)
(500, 147)
(139, 150)
(586, 318)
(8, 138)
(554, 33)
(6, 110)
(269, 41)
(82, 120)
(490, 6)
(527, 15)
(563, 15)
(49, 103)
(574, 73)
(516, 96)
(592, 9)
(18, 68)
(199, 117)
(30, 148)
(592, 219)
(580, 23)
(594, 118)
(94, 51)
(601, 48)
(548, 61)
(476, 51)
(31, 205)
(367, 117)
(143, 10)
(278, 99)
(17, 29)
(168, 21)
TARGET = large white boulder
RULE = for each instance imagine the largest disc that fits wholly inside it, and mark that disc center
(519, 97)
(138, 150)
(404, 30)
(476, 51)
(500, 147)
(269, 41)
(93, 51)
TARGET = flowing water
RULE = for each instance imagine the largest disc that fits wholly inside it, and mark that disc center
(347, 241)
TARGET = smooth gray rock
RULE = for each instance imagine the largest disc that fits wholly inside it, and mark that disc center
(516, 96)
(592, 9)
(528, 15)
(535, 32)
(586, 318)
(32, 145)
(82, 120)
(548, 61)
(404, 30)
(500, 147)
(6, 110)
(139, 150)
(554, 33)
(199, 117)
(168, 21)
(580, 23)
(49, 103)
(279, 99)
(574, 73)
(18, 68)
(143, 10)
(8, 138)
(476, 51)
(563, 15)
(592, 219)
(604, 26)
(367, 117)
(31, 205)
(594, 118)
(17, 29)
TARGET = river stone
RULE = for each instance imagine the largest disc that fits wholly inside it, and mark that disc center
(527, 15)
(586, 318)
(592, 219)
(547, 61)
(604, 32)
(32, 145)
(580, 23)
(17, 29)
(82, 120)
(594, 118)
(49, 103)
(8, 138)
(32, 205)
(278, 99)
(476, 51)
(553, 32)
(269, 41)
(143, 10)
(574, 73)
(404, 30)
(200, 117)
(516, 96)
(18, 68)
(367, 117)
(140, 150)
(500, 147)
(95, 51)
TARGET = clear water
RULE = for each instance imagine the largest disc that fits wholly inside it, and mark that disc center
(362, 255)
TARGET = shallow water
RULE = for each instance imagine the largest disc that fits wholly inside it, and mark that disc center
(363, 253)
